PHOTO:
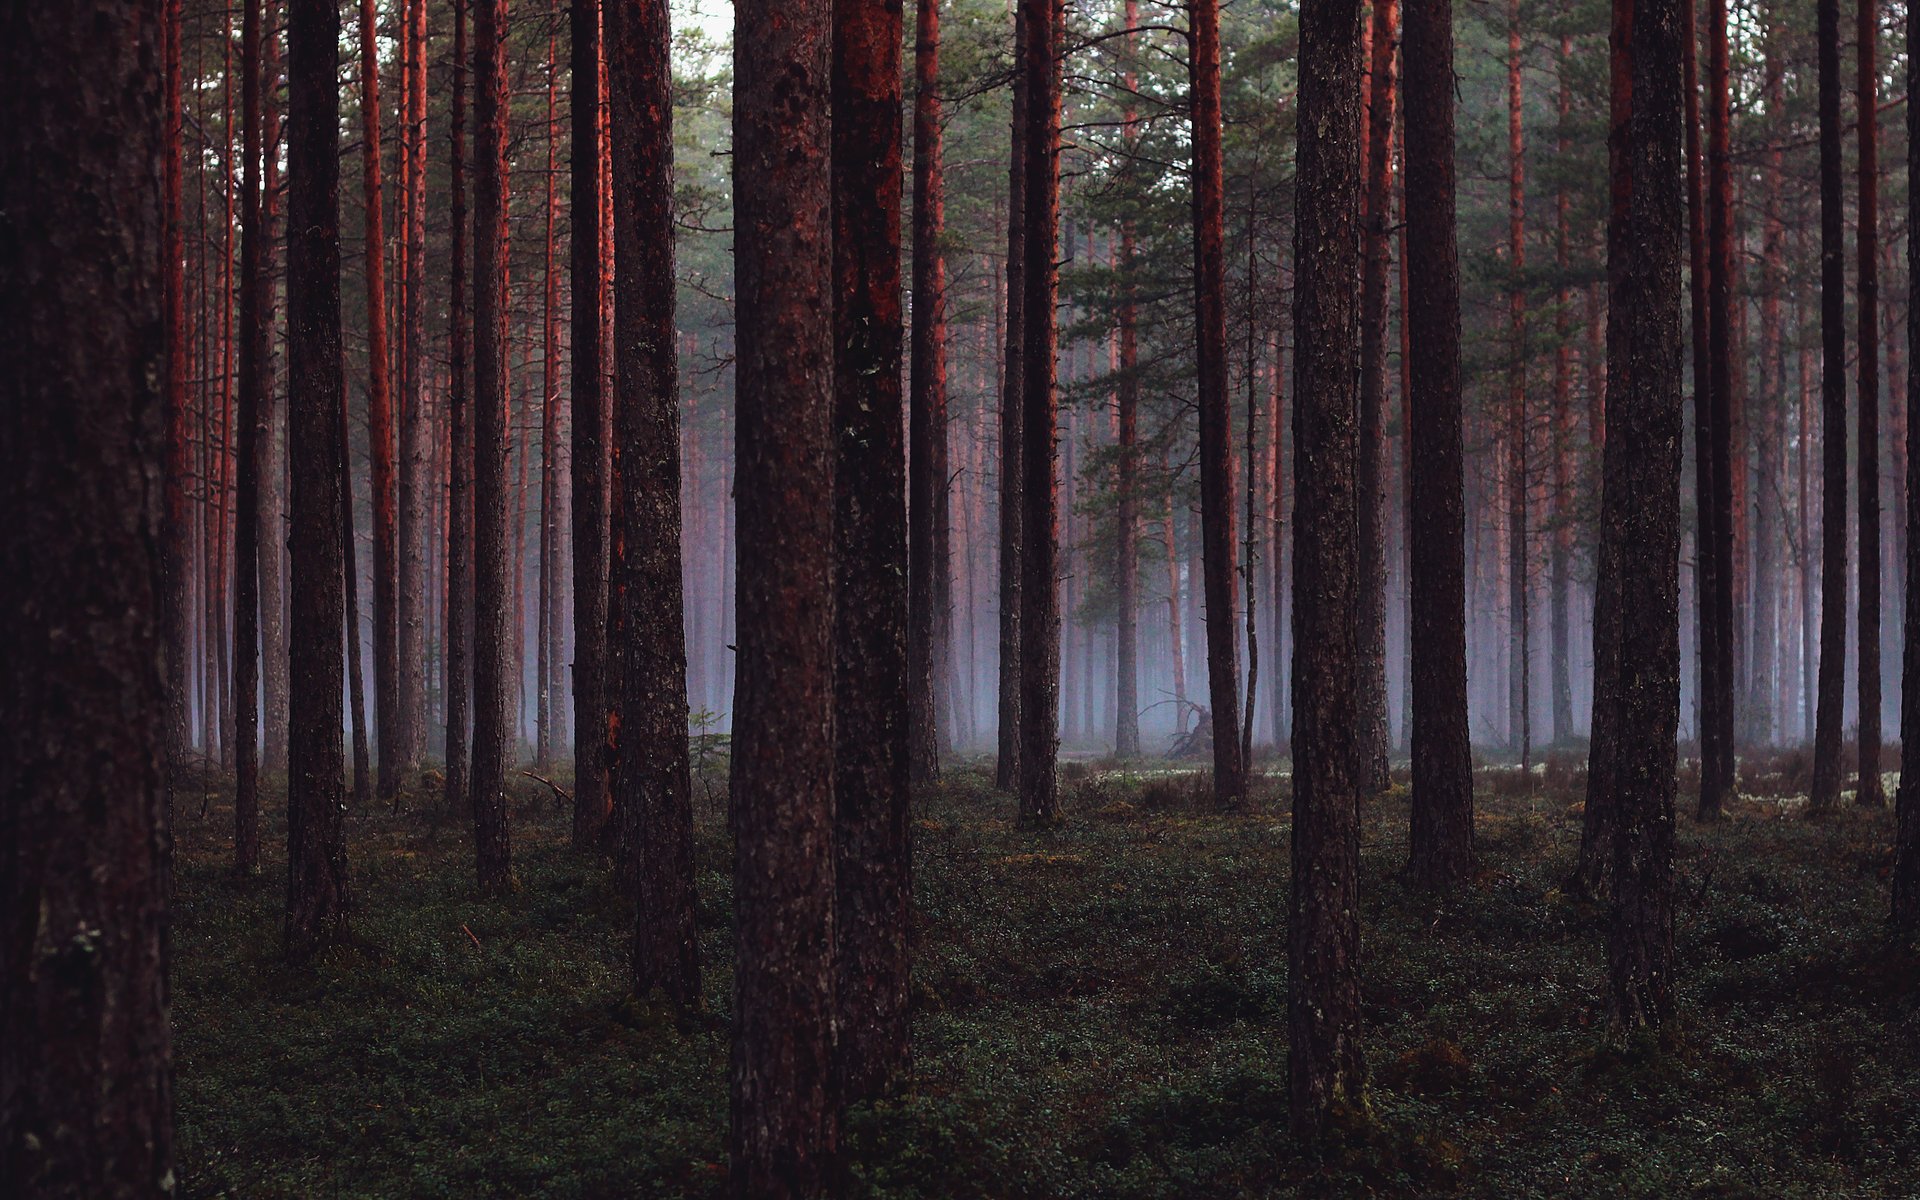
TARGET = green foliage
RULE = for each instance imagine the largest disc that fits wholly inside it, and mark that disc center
(1100, 1011)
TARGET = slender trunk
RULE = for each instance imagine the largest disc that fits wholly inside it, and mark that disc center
(1176, 637)
(1326, 1067)
(176, 522)
(317, 889)
(549, 436)
(1012, 389)
(492, 585)
(1906, 853)
(1708, 693)
(928, 566)
(1833, 423)
(1720, 783)
(1040, 499)
(459, 618)
(1376, 217)
(1519, 636)
(1440, 851)
(350, 586)
(272, 532)
(256, 381)
(1560, 432)
(416, 479)
(1871, 793)
(1643, 520)
(870, 683)
(86, 1108)
(591, 803)
(785, 1124)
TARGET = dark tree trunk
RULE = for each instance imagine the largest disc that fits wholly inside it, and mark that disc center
(414, 431)
(255, 383)
(380, 423)
(317, 896)
(1871, 793)
(350, 587)
(86, 1102)
(1012, 417)
(927, 516)
(1560, 425)
(272, 532)
(1040, 497)
(652, 793)
(1376, 217)
(785, 1124)
(1216, 419)
(1519, 524)
(176, 468)
(590, 798)
(1833, 423)
(1441, 834)
(1906, 850)
(1720, 271)
(459, 618)
(871, 830)
(1706, 512)
(1326, 1069)
(492, 719)
(1126, 728)
(1644, 435)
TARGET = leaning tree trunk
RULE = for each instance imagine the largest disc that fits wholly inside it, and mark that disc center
(1216, 419)
(1643, 459)
(1871, 793)
(317, 896)
(652, 790)
(1325, 1066)
(588, 288)
(1440, 852)
(785, 1128)
(86, 1108)
(1040, 497)
(870, 685)
(492, 720)
(927, 536)
(1833, 423)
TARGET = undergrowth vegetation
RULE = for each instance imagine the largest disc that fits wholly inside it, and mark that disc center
(1101, 1012)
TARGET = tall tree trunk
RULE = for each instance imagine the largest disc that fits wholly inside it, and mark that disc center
(928, 564)
(1871, 793)
(1708, 693)
(176, 533)
(1643, 520)
(1560, 443)
(1519, 633)
(415, 423)
(1040, 498)
(1906, 852)
(272, 532)
(544, 698)
(1326, 1069)
(317, 894)
(1768, 525)
(870, 686)
(255, 383)
(1833, 422)
(785, 1129)
(1717, 785)
(380, 424)
(590, 709)
(1440, 850)
(350, 586)
(1376, 218)
(88, 704)
(1216, 420)
(1126, 729)
(493, 722)
(459, 618)
(1012, 457)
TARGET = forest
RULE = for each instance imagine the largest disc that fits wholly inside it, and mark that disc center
(958, 598)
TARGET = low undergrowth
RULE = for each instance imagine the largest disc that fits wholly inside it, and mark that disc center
(1101, 1012)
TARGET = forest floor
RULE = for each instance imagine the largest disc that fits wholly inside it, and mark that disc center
(1100, 1012)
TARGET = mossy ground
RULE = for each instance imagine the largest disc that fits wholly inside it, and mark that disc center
(1100, 1012)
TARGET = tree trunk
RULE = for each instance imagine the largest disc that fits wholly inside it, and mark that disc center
(1706, 561)
(1326, 1069)
(548, 599)
(1126, 728)
(1519, 633)
(1216, 420)
(317, 895)
(871, 830)
(1441, 833)
(1012, 389)
(1643, 520)
(350, 586)
(415, 426)
(1871, 793)
(590, 798)
(273, 530)
(1768, 526)
(380, 425)
(459, 619)
(87, 387)
(176, 525)
(785, 1129)
(492, 585)
(1376, 217)
(1040, 498)
(928, 585)
(255, 383)
(1560, 440)
(652, 792)
(1906, 852)
(1833, 423)
(1720, 271)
